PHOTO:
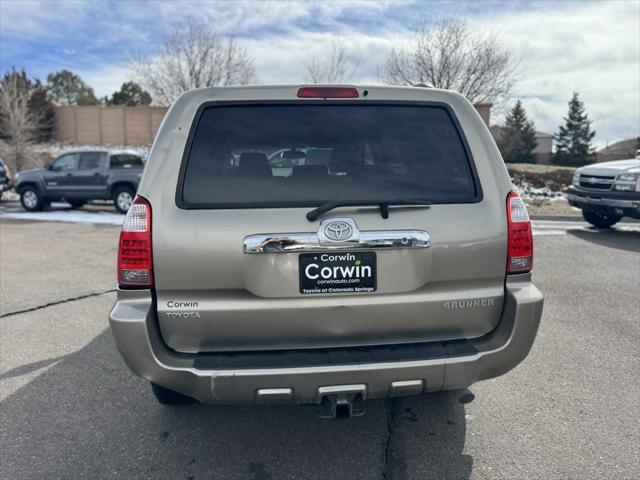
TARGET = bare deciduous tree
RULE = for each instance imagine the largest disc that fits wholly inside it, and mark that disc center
(20, 125)
(336, 67)
(192, 56)
(451, 55)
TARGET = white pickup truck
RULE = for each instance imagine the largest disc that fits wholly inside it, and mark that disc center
(607, 191)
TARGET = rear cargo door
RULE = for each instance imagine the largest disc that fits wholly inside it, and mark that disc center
(239, 266)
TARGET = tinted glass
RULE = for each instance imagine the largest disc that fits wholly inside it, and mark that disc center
(89, 161)
(305, 155)
(125, 161)
(65, 162)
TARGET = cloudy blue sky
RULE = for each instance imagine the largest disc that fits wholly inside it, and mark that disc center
(591, 47)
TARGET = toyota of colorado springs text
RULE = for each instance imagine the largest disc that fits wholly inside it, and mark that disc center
(323, 245)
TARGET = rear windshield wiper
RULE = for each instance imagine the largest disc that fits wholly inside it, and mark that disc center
(313, 215)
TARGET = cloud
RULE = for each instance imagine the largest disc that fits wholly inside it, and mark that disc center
(28, 19)
(590, 47)
(107, 79)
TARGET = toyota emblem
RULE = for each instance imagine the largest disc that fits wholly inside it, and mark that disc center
(338, 231)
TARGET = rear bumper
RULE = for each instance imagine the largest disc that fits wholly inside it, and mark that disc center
(138, 339)
(612, 203)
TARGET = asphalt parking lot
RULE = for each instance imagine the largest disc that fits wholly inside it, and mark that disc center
(71, 409)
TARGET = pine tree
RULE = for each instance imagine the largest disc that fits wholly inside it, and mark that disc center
(130, 94)
(518, 138)
(573, 140)
(39, 102)
(67, 88)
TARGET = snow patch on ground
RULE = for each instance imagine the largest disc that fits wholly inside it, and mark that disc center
(72, 216)
(530, 193)
(57, 149)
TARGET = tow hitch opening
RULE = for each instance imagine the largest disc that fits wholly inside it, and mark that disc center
(341, 405)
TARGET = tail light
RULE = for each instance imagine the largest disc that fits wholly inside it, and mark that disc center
(135, 261)
(520, 243)
(327, 92)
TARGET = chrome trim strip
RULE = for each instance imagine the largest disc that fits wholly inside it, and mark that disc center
(310, 242)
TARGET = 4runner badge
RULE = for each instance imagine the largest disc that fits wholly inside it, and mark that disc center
(475, 303)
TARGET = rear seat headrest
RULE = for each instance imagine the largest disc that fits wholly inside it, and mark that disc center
(307, 171)
(254, 164)
(344, 159)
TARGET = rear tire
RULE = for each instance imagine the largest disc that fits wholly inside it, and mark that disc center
(169, 397)
(77, 203)
(600, 220)
(31, 199)
(122, 199)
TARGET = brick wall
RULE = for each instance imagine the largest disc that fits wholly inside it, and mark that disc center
(99, 125)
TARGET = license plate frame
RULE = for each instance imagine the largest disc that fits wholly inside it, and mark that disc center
(348, 272)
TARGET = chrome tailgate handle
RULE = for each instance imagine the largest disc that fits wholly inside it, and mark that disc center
(335, 234)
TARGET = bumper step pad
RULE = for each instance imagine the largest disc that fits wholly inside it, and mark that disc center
(333, 356)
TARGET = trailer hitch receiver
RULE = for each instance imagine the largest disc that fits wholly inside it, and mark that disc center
(342, 401)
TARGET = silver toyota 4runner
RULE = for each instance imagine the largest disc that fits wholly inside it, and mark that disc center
(323, 245)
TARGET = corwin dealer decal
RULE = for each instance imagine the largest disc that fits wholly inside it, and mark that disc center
(337, 272)
(179, 312)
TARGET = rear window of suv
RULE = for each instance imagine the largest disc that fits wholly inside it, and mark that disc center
(261, 156)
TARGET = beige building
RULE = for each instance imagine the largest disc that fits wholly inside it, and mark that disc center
(544, 147)
(621, 150)
(484, 109)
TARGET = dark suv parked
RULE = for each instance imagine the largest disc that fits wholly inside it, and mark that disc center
(80, 176)
(5, 178)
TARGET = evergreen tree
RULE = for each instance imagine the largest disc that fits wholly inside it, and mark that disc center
(573, 140)
(518, 137)
(39, 102)
(67, 88)
(130, 94)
